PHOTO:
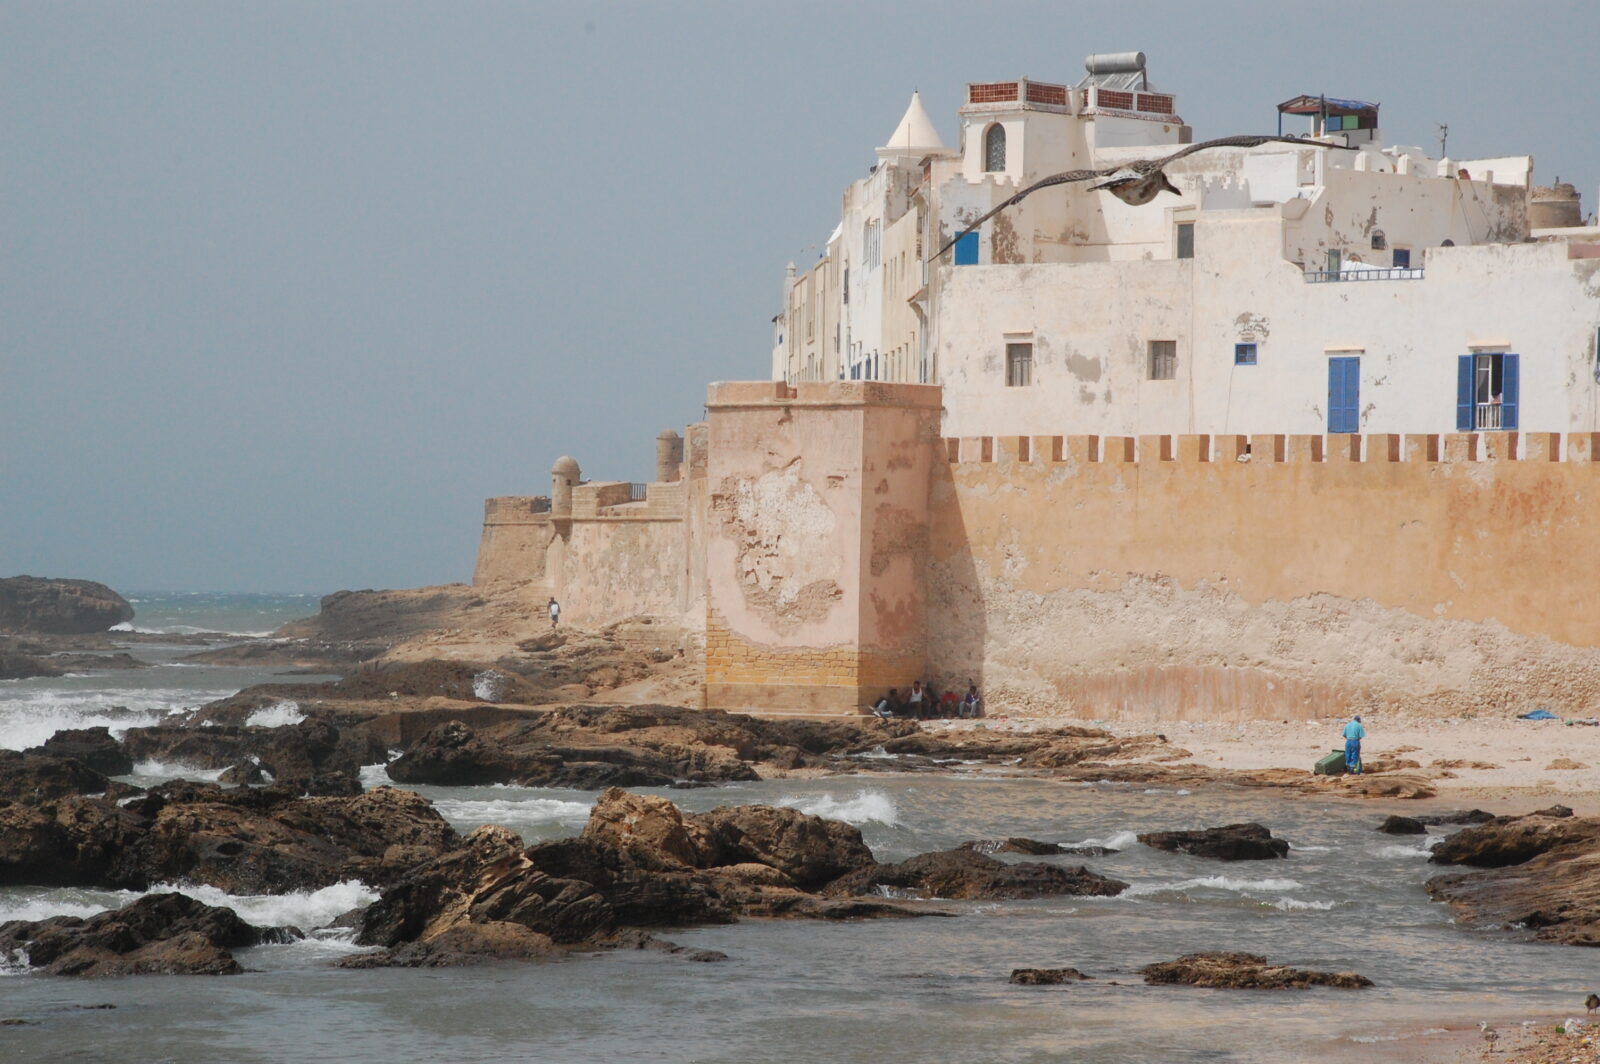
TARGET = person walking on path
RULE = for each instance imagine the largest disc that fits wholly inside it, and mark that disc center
(1353, 734)
(555, 613)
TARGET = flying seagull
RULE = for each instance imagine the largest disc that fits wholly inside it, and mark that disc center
(1135, 183)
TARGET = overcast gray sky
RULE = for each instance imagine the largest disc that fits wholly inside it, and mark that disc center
(286, 289)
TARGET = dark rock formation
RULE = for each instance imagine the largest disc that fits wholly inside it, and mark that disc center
(159, 934)
(1032, 847)
(92, 747)
(242, 841)
(60, 607)
(34, 777)
(1244, 971)
(1541, 873)
(1512, 840)
(809, 850)
(1469, 816)
(967, 874)
(1559, 811)
(293, 753)
(1047, 976)
(1403, 825)
(1234, 842)
(462, 944)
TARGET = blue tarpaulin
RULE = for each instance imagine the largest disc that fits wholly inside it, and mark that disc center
(1538, 714)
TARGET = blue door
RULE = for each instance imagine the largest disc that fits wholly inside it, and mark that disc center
(1344, 394)
(967, 250)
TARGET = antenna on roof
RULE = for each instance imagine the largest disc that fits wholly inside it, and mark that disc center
(1444, 136)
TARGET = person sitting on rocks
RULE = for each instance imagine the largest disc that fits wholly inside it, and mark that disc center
(917, 702)
(950, 705)
(971, 705)
(889, 705)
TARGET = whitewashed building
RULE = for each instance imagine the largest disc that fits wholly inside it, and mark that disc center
(1338, 284)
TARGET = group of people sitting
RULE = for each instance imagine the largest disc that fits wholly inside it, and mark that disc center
(924, 703)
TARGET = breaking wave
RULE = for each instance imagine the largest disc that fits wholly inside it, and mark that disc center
(468, 813)
(166, 770)
(1118, 840)
(277, 715)
(1241, 886)
(867, 807)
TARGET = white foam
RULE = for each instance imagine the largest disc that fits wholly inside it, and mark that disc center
(1296, 905)
(1119, 840)
(374, 776)
(1403, 851)
(13, 962)
(1228, 883)
(28, 719)
(510, 811)
(1310, 849)
(487, 685)
(175, 771)
(78, 903)
(303, 909)
(277, 715)
(867, 807)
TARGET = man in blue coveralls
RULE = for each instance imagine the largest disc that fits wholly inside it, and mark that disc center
(1353, 734)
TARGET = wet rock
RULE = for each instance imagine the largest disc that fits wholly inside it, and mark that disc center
(1046, 976)
(1234, 842)
(244, 774)
(1558, 811)
(1244, 971)
(294, 752)
(17, 664)
(451, 755)
(93, 747)
(967, 874)
(1513, 840)
(60, 607)
(1403, 825)
(1469, 816)
(243, 842)
(1033, 847)
(809, 850)
(32, 777)
(159, 934)
(461, 945)
(1368, 786)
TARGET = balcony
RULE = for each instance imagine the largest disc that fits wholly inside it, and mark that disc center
(1363, 274)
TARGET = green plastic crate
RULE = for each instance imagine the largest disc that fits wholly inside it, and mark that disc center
(1331, 765)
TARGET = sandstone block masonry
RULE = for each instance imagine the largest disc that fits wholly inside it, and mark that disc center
(831, 544)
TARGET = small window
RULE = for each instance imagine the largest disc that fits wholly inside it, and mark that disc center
(1019, 365)
(1335, 260)
(1163, 360)
(1379, 241)
(1402, 258)
(1244, 354)
(1185, 240)
(1487, 389)
(967, 250)
(994, 149)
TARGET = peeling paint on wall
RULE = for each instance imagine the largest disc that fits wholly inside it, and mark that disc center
(776, 519)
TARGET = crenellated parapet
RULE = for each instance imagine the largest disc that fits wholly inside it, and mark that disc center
(1204, 449)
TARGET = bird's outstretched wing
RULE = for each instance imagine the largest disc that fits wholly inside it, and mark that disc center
(1245, 142)
(1055, 179)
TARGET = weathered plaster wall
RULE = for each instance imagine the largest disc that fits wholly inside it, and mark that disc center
(813, 586)
(1091, 324)
(1277, 587)
(622, 568)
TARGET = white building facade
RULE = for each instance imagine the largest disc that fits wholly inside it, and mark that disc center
(1335, 285)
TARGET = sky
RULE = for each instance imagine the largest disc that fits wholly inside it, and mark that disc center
(287, 289)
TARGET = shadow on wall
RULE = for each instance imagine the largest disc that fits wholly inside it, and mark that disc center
(958, 629)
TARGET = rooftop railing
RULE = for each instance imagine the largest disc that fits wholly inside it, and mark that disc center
(1398, 274)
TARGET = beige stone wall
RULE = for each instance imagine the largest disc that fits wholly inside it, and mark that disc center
(1163, 578)
(817, 511)
(515, 541)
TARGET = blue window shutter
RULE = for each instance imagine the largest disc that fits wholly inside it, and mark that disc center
(1344, 394)
(967, 250)
(1510, 391)
(1464, 393)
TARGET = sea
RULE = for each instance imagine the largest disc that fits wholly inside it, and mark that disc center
(871, 991)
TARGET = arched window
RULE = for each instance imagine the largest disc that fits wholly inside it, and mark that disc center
(1379, 241)
(994, 149)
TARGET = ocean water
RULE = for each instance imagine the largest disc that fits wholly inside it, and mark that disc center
(874, 992)
(32, 710)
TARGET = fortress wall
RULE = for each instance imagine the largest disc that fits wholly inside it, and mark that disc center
(516, 537)
(816, 517)
(1164, 577)
(620, 568)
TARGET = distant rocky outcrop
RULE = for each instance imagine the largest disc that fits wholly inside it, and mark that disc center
(159, 934)
(59, 607)
(1244, 971)
(92, 747)
(1234, 842)
(1047, 976)
(312, 748)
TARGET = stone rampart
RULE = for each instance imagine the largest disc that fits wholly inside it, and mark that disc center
(1267, 576)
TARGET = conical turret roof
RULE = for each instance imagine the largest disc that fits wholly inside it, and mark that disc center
(915, 134)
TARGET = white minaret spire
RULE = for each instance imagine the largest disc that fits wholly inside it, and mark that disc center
(914, 135)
